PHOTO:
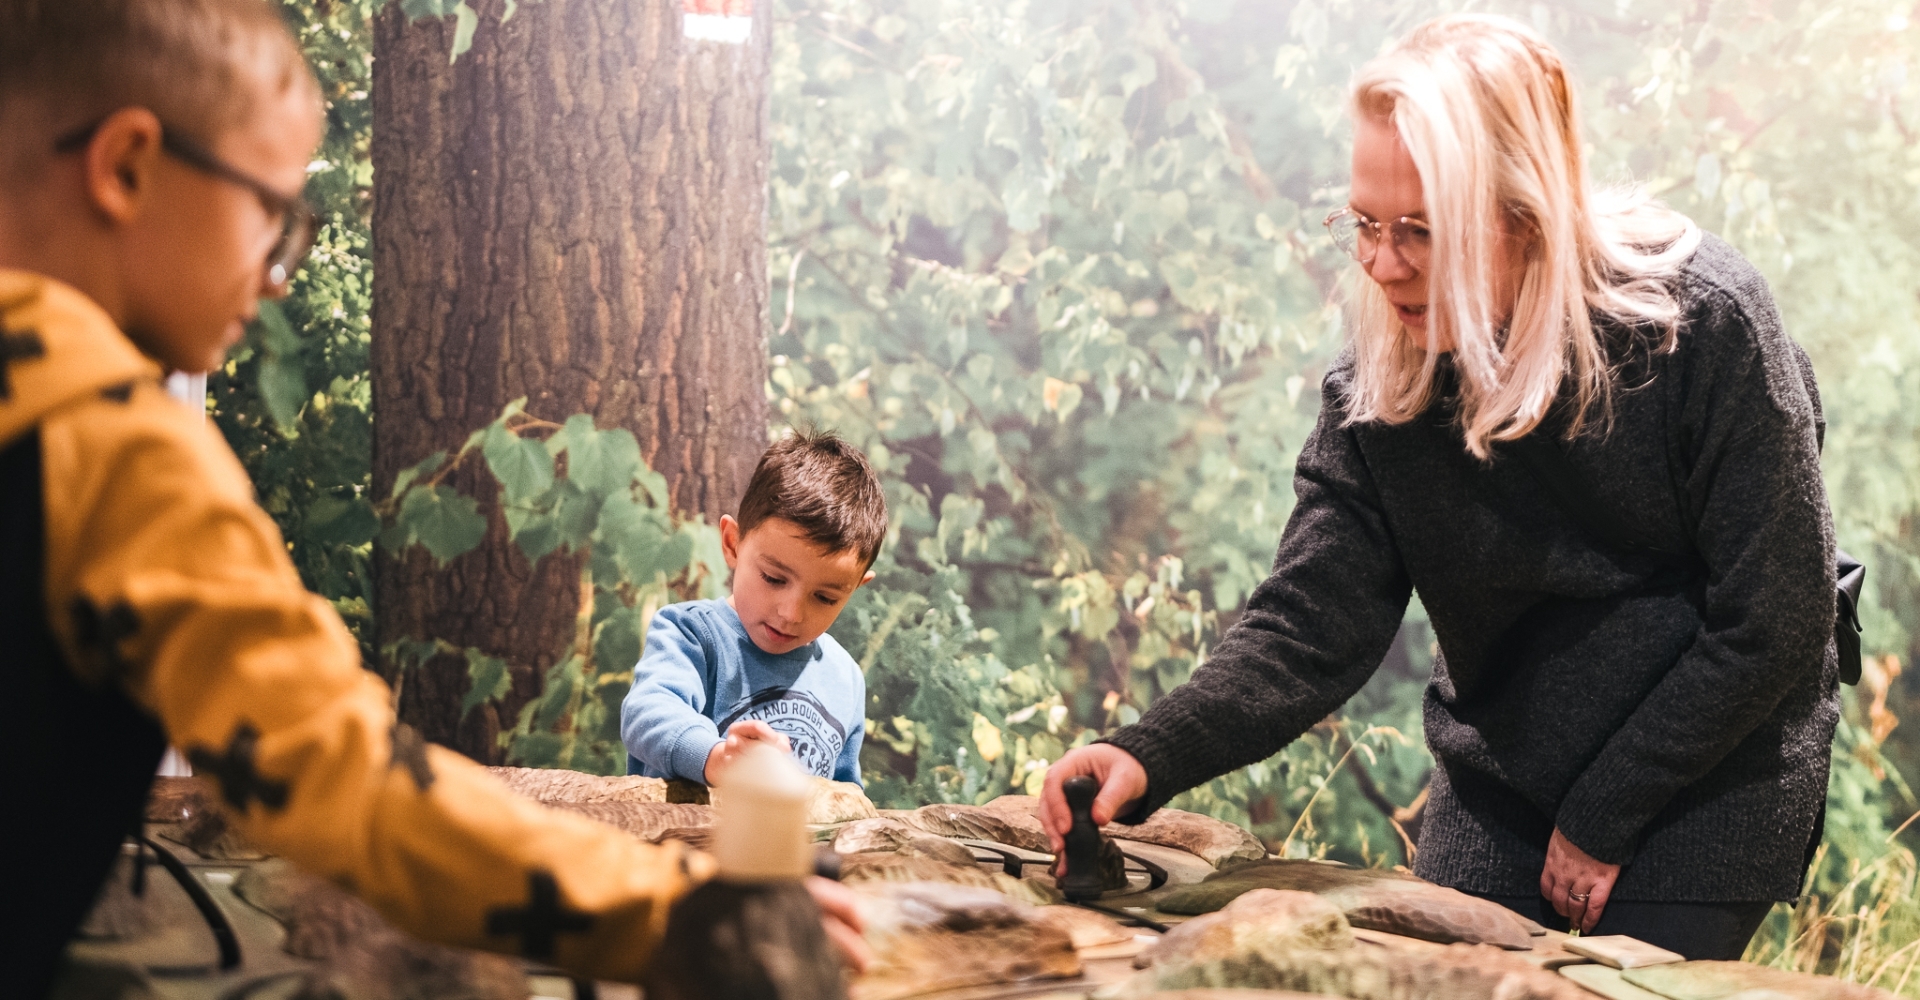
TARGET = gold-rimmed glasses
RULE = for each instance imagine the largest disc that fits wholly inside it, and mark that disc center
(1359, 237)
(298, 222)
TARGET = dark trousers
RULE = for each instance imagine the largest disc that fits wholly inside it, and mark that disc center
(1696, 930)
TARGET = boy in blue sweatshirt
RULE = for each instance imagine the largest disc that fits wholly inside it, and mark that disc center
(759, 665)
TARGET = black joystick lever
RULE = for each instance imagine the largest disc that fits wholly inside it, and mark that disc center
(1080, 881)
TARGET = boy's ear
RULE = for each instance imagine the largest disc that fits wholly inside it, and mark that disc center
(119, 162)
(730, 540)
(865, 580)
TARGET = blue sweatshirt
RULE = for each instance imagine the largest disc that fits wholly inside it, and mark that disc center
(701, 673)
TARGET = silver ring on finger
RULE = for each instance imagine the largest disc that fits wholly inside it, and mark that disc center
(1578, 897)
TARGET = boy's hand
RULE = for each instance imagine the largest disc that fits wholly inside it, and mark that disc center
(739, 736)
(841, 917)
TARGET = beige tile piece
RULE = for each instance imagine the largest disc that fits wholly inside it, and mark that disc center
(1606, 982)
(1620, 951)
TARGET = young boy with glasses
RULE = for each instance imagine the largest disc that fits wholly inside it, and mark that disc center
(150, 186)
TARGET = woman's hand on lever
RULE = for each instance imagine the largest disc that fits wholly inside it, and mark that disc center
(1122, 783)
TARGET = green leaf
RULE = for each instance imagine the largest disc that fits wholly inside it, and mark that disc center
(488, 680)
(417, 9)
(425, 467)
(557, 691)
(465, 21)
(448, 524)
(408, 654)
(644, 541)
(617, 641)
(341, 522)
(575, 514)
(600, 462)
(283, 386)
(523, 467)
(538, 537)
(655, 486)
(1169, 211)
(278, 332)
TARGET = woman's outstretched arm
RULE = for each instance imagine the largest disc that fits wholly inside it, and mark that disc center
(1310, 636)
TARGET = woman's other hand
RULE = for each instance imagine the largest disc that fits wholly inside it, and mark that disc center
(1575, 882)
(1122, 783)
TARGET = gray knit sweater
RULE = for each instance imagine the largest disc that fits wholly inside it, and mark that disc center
(1672, 718)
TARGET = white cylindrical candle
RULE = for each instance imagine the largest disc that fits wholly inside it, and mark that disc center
(760, 822)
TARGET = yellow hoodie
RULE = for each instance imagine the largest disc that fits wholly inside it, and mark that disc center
(164, 578)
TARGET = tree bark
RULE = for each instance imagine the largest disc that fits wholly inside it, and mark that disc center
(573, 211)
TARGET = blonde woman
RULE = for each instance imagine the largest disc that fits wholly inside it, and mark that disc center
(1626, 741)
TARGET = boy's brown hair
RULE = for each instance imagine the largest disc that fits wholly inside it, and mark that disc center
(191, 62)
(825, 487)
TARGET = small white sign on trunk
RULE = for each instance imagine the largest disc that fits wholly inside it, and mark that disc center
(726, 21)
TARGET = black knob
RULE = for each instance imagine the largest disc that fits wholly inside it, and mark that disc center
(1081, 880)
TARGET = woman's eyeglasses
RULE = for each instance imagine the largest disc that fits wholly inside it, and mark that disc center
(1359, 237)
(299, 224)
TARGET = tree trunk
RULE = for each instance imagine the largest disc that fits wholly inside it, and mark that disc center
(573, 211)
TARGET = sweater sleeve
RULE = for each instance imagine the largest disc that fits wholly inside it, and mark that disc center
(1752, 484)
(166, 578)
(1310, 636)
(1749, 437)
(663, 718)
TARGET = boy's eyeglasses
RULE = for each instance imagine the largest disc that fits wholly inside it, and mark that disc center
(299, 224)
(1359, 237)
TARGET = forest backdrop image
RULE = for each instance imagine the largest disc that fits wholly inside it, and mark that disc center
(1057, 267)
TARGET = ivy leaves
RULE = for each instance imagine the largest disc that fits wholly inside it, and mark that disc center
(561, 486)
(568, 490)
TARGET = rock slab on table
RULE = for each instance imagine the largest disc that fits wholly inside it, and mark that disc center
(362, 955)
(188, 812)
(885, 835)
(1258, 921)
(1453, 972)
(1728, 980)
(891, 867)
(652, 822)
(1372, 898)
(964, 822)
(553, 785)
(928, 937)
(830, 802)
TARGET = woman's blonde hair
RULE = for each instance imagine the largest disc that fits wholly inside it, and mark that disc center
(1484, 106)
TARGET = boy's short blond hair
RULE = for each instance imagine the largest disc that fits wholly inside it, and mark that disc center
(199, 65)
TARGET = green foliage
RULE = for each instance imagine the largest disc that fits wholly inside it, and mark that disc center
(1028, 264)
(568, 491)
(294, 398)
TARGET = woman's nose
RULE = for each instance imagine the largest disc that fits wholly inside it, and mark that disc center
(1388, 266)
